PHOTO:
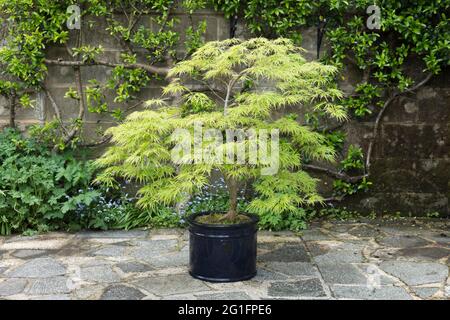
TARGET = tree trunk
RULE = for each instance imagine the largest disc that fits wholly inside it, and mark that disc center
(233, 191)
(12, 111)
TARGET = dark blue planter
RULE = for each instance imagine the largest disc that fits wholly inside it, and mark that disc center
(222, 253)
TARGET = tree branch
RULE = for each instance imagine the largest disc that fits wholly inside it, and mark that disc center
(81, 107)
(12, 110)
(152, 69)
(380, 116)
(55, 107)
(335, 174)
(106, 139)
(230, 87)
(80, 94)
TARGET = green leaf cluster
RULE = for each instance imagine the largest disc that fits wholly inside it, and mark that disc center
(39, 191)
(235, 71)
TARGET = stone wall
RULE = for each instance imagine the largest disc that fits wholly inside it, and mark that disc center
(411, 167)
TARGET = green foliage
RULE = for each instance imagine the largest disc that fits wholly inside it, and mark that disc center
(194, 37)
(158, 218)
(352, 163)
(34, 26)
(417, 31)
(143, 142)
(270, 17)
(214, 198)
(295, 220)
(354, 159)
(127, 82)
(217, 200)
(409, 30)
(39, 190)
(87, 53)
(115, 210)
(342, 188)
(342, 214)
(48, 135)
(365, 96)
(336, 139)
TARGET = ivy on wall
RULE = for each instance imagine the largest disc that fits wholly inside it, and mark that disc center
(34, 26)
(414, 32)
(410, 33)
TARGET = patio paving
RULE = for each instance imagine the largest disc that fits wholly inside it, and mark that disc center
(404, 259)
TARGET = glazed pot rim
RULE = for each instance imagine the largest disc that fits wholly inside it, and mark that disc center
(191, 220)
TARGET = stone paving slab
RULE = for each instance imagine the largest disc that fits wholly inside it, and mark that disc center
(405, 259)
(367, 293)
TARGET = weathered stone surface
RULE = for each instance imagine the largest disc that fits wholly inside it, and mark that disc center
(416, 273)
(49, 286)
(99, 273)
(53, 297)
(11, 287)
(314, 234)
(171, 284)
(441, 238)
(288, 252)
(293, 268)
(301, 288)
(364, 232)
(267, 246)
(121, 234)
(121, 292)
(427, 140)
(132, 267)
(176, 259)
(428, 253)
(147, 250)
(224, 296)
(404, 109)
(433, 104)
(178, 297)
(89, 291)
(27, 253)
(345, 253)
(38, 268)
(394, 175)
(366, 293)
(317, 248)
(339, 227)
(375, 275)
(340, 273)
(402, 241)
(112, 251)
(410, 203)
(123, 267)
(264, 275)
(38, 244)
(425, 292)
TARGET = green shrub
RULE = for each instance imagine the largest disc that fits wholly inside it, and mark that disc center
(39, 191)
(144, 143)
